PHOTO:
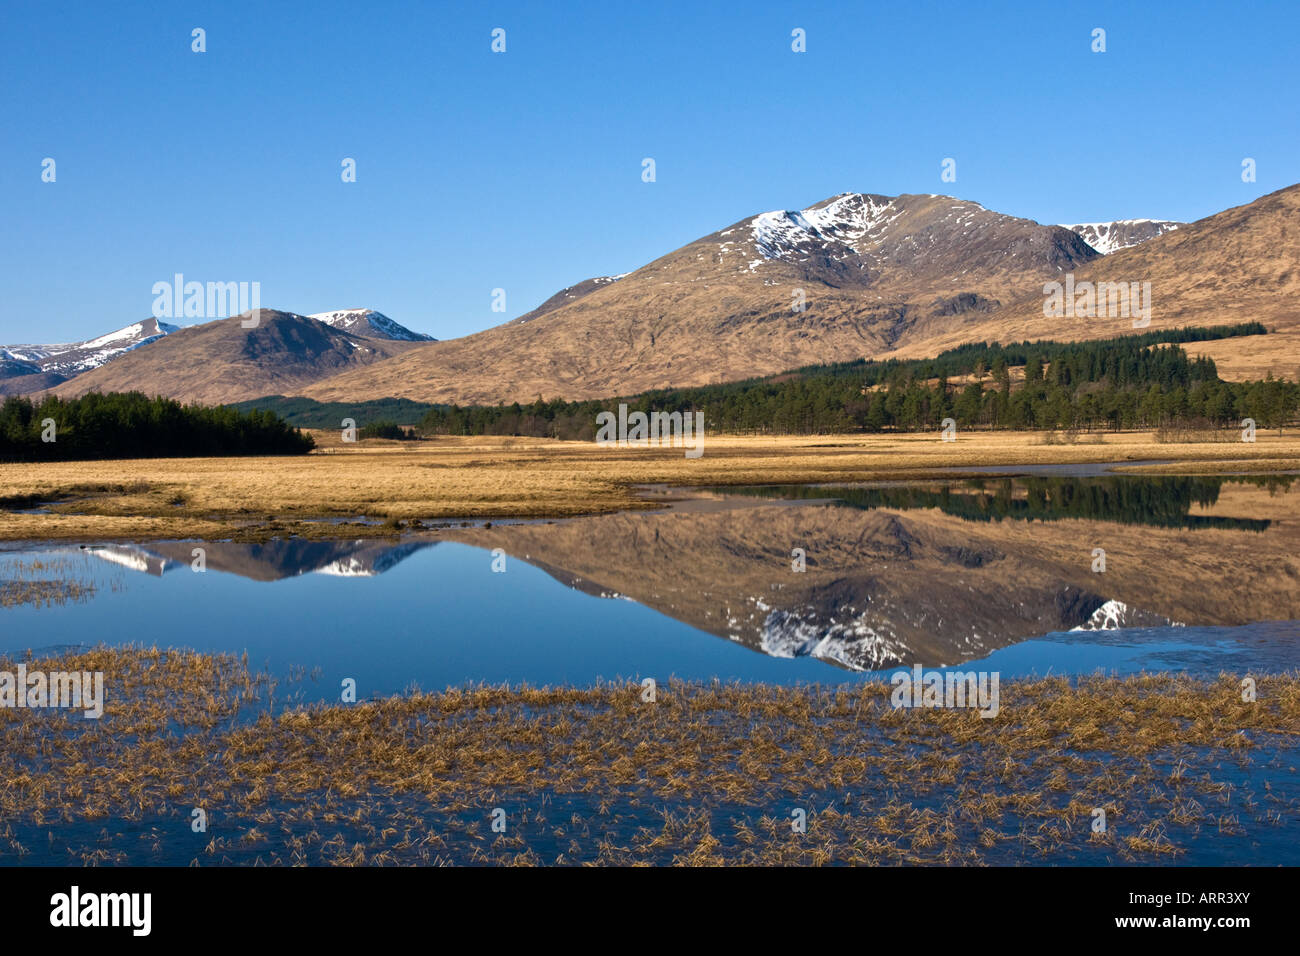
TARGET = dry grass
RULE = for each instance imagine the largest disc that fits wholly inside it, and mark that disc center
(708, 774)
(1249, 358)
(512, 477)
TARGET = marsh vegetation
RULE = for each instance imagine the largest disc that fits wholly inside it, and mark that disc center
(706, 774)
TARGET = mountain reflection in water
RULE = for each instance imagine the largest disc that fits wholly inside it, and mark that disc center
(935, 574)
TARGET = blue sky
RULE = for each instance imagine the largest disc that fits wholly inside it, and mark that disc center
(522, 170)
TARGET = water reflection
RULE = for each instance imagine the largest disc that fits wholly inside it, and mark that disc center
(1159, 501)
(873, 578)
(267, 561)
(941, 574)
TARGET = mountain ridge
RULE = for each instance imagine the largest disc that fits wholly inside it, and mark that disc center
(855, 275)
(223, 361)
(843, 278)
(32, 368)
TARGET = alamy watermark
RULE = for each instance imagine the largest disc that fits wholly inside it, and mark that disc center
(948, 689)
(1089, 300)
(128, 910)
(643, 429)
(63, 689)
(211, 300)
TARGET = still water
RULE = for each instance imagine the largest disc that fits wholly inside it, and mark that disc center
(1028, 575)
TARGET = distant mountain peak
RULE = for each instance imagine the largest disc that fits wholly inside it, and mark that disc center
(34, 368)
(246, 356)
(841, 220)
(864, 240)
(1108, 237)
(369, 323)
(850, 223)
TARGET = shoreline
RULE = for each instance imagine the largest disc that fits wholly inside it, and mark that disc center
(383, 488)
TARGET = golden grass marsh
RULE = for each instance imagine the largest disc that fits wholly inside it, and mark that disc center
(491, 477)
(706, 774)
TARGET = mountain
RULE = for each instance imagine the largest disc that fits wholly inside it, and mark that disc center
(35, 368)
(1239, 265)
(371, 324)
(870, 272)
(1108, 237)
(222, 361)
(854, 276)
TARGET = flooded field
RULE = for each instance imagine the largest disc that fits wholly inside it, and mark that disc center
(783, 611)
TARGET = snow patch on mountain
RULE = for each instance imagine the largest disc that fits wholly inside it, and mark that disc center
(369, 323)
(1108, 237)
(368, 561)
(69, 359)
(1114, 615)
(793, 236)
(569, 294)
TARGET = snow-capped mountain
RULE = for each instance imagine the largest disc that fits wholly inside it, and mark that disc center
(354, 335)
(858, 237)
(31, 368)
(226, 360)
(853, 275)
(1108, 237)
(837, 226)
(371, 324)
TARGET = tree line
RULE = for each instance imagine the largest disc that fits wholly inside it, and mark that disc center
(132, 425)
(1137, 381)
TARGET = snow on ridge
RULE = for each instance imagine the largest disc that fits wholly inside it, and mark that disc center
(368, 322)
(1108, 237)
(1108, 617)
(72, 358)
(845, 219)
(130, 332)
(131, 556)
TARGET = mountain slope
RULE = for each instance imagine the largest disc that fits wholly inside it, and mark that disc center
(566, 295)
(1242, 264)
(854, 276)
(872, 270)
(34, 368)
(221, 361)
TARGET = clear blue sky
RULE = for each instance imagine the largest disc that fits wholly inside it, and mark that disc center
(523, 170)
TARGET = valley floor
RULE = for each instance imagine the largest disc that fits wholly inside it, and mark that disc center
(383, 487)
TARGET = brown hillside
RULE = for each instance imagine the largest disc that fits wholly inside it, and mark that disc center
(1240, 265)
(873, 270)
(223, 362)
